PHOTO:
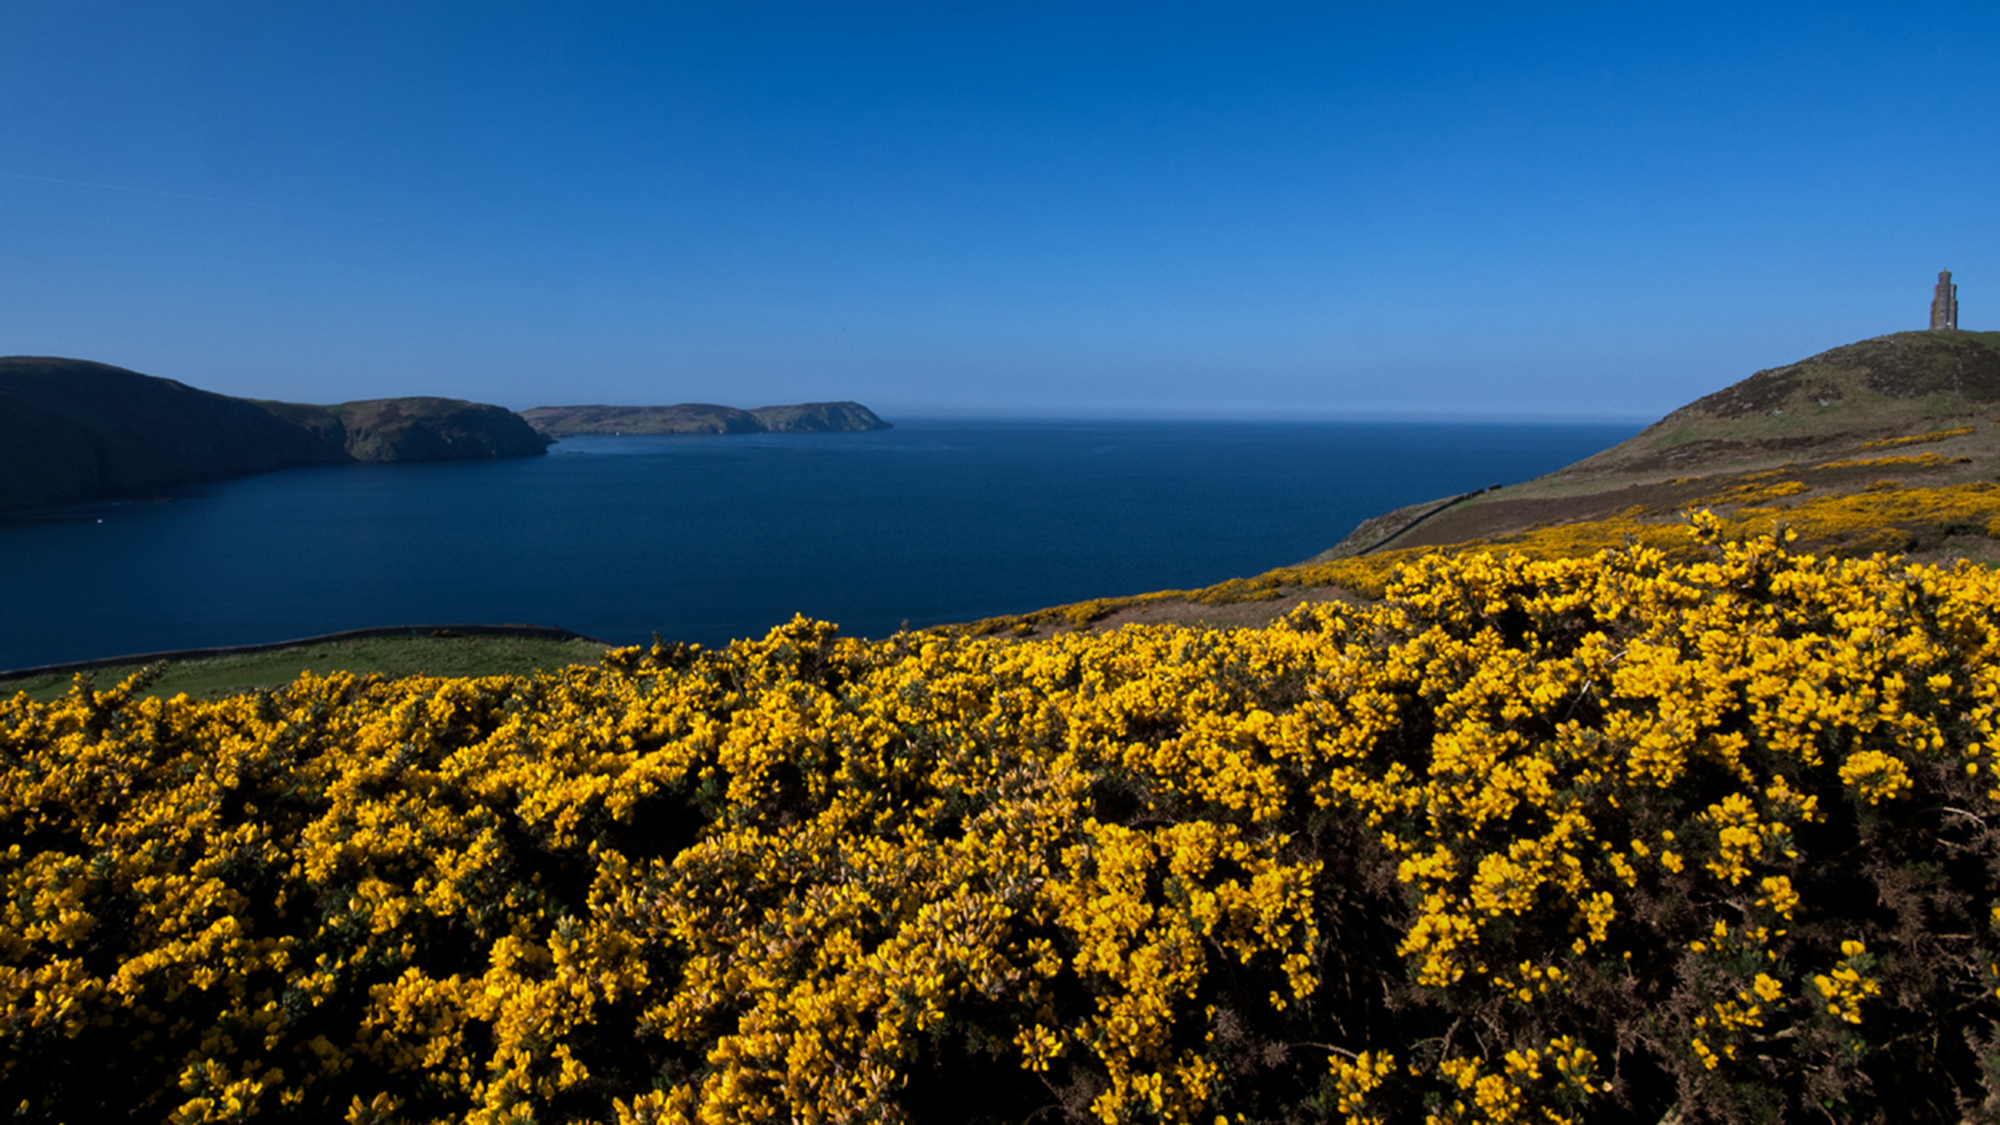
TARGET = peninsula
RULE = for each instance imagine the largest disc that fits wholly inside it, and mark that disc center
(703, 418)
(73, 430)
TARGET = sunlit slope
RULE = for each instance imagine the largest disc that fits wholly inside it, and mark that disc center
(1913, 392)
(1594, 839)
(1889, 445)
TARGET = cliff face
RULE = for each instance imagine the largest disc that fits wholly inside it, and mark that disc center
(74, 430)
(703, 418)
(434, 429)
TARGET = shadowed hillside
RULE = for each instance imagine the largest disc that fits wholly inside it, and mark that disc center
(73, 430)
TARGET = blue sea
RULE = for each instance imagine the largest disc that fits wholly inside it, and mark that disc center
(711, 538)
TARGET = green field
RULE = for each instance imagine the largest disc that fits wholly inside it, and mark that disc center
(391, 656)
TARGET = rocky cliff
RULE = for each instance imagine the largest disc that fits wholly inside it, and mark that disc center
(74, 430)
(434, 429)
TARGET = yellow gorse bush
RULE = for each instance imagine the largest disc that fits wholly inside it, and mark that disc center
(1919, 439)
(1529, 840)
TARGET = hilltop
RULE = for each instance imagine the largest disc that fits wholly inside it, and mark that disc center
(428, 429)
(703, 418)
(1888, 444)
(1920, 403)
(73, 430)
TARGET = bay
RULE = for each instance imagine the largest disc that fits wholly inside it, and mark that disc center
(711, 538)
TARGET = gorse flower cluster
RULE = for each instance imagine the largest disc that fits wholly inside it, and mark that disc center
(1919, 439)
(1816, 512)
(1528, 840)
(1852, 522)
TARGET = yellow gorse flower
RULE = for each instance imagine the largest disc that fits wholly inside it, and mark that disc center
(1442, 854)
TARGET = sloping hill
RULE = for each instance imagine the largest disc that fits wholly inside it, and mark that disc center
(435, 429)
(685, 418)
(1886, 445)
(1922, 404)
(819, 417)
(703, 418)
(74, 430)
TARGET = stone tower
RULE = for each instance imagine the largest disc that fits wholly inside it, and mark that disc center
(1944, 303)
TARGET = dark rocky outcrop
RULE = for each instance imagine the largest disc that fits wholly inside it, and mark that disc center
(703, 418)
(74, 430)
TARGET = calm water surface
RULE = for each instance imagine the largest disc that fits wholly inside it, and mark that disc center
(705, 539)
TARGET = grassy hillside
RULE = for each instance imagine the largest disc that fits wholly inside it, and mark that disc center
(819, 417)
(1890, 444)
(434, 429)
(72, 430)
(427, 654)
(703, 418)
(1910, 393)
(685, 418)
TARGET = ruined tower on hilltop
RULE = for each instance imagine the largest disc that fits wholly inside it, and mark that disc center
(1944, 303)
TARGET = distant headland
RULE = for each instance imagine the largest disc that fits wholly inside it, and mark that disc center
(72, 430)
(703, 418)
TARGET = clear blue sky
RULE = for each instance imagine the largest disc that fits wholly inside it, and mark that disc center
(1550, 210)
